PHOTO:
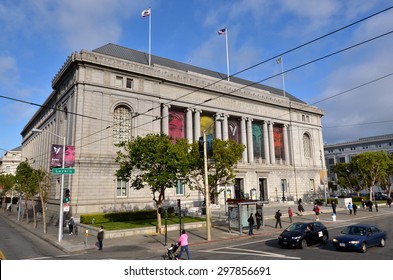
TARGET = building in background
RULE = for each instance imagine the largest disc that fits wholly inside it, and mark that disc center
(111, 94)
(10, 161)
(343, 152)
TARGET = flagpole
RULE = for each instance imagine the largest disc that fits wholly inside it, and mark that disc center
(226, 45)
(150, 38)
(282, 75)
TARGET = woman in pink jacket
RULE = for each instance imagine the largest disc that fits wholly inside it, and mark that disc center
(183, 242)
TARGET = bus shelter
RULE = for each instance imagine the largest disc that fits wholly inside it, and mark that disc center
(239, 210)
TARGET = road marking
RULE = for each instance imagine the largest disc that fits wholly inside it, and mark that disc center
(247, 252)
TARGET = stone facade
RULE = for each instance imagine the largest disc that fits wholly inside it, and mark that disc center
(110, 94)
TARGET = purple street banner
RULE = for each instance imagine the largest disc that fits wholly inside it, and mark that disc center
(56, 160)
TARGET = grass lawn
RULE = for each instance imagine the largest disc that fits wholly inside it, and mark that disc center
(146, 223)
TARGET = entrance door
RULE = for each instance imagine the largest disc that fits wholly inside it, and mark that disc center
(239, 188)
(263, 195)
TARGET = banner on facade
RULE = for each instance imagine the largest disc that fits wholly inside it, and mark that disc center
(56, 160)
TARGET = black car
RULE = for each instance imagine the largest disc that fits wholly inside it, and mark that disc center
(301, 235)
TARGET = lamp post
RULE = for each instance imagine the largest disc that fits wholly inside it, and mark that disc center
(61, 214)
(207, 196)
(323, 177)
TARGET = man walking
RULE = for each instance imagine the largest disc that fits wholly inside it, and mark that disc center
(278, 218)
(100, 237)
(251, 225)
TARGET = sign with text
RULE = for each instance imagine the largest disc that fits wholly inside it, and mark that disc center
(63, 171)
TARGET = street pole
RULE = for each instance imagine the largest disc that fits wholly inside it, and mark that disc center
(323, 178)
(208, 221)
(61, 213)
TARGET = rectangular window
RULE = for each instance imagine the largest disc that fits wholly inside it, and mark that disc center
(179, 188)
(312, 185)
(119, 81)
(121, 189)
(129, 83)
(283, 185)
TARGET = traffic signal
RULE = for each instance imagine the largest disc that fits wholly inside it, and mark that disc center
(67, 196)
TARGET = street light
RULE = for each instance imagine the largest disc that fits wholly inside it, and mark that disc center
(323, 177)
(208, 214)
(36, 130)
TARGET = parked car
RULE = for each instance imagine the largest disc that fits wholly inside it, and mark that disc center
(359, 237)
(301, 235)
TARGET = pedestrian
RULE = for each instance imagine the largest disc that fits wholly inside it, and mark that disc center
(350, 208)
(376, 205)
(334, 206)
(363, 204)
(71, 224)
(370, 206)
(183, 243)
(316, 210)
(100, 237)
(290, 214)
(258, 216)
(355, 208)
(300, 209)
(389, 202)
(251, 225)
(277, 216)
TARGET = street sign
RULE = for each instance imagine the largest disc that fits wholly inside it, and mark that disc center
(66, 207)
(63, 171)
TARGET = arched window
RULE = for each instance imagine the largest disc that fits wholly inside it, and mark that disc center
(122, 119)
(307, 145)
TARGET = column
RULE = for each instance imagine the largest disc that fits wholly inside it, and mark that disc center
(243, 138)
(225, 136)
(217, 129)
(189, 125)
(249, 141)
(197, 124)
(271, 143)
(286, 146)
(266, 148)
(165, 119)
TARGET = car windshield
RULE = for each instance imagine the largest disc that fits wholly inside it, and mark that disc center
(354, 230)
(296, 227)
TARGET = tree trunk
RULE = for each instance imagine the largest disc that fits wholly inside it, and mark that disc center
(43, 205)
(34, 214)
(158, 226)
(27, 212)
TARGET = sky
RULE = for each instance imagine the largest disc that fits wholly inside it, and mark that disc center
(348, 74)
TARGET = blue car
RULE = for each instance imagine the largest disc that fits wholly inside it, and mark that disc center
(359, 237)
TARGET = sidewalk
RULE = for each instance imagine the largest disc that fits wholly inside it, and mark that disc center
(149, 239)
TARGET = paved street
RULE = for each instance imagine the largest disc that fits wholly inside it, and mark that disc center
(224, 244)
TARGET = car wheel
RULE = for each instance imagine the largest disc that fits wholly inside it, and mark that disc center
(363, 249)
(325, 239)
(382, 242)
(303, 244)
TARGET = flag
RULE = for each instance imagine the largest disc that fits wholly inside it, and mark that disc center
(146, 13)
(278, 60)
(221, 31)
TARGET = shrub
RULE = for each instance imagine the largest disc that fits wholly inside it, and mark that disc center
(117, 216)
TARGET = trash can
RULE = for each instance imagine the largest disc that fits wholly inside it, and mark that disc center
(334, 217)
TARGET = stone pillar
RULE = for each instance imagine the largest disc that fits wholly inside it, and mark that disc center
(249, 141)
(189, 125)
(197, 124)
(243, 138)
(165, 119)
(217, 126)
(286, 146)
(271, 143)
(266, 148)
(225, 136)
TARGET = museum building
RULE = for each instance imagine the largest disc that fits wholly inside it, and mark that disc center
(111, 94)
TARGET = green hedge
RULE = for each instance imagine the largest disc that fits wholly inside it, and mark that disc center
(100, 218)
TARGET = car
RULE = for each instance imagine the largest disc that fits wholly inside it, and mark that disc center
(359, 237)
(301, 235)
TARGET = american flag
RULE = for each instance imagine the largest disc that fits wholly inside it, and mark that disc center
(221, 31)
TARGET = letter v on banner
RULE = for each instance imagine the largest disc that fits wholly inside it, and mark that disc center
(56, 156)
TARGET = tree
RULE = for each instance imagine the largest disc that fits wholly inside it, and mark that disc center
(371, 167)
(386, 180)
(43, 184)
(7, 181)
(347, 176)
(25, 184)
(221, 165)
(153, 161)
